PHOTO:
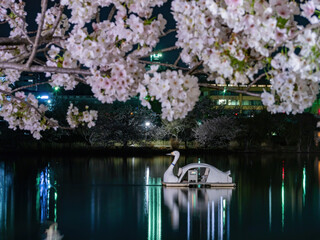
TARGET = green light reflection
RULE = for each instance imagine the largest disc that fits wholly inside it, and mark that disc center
(304, 186)
(154, 209)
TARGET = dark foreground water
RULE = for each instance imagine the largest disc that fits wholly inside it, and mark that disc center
(277, 197)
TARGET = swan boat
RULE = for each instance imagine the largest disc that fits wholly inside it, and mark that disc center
(196, 174)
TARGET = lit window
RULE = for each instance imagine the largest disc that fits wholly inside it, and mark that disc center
(222, 102)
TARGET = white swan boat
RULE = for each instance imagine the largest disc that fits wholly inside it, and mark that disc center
(196, 174)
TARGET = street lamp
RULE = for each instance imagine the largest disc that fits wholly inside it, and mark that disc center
(147, 124)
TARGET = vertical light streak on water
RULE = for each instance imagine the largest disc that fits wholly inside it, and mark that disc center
(159, 209)
(55, 206)
(133, 170)
(149, 214)
(304, 180)
(92, 210)
(212, 222)
(224, 215)
(282, 197)
(228, 220)
(208, 222)
(154, 209)
(220, 217)
(153, 218)
(188, 221)
(48, 187)
(146, 200)
(270, 208)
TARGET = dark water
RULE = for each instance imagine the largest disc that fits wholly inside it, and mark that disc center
(277, 197)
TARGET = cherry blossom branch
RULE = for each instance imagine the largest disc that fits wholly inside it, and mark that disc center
(207, 85)
(5, 41)
(22, 67)
(44, 4)
(164, 64)
(57, 20)
(23, 25)
(53, 124)
(294, 35)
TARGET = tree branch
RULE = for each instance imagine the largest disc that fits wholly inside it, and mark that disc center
(254, 81)
(28, 86)
(164, 64)
(168, 32)
(195, 67)
(22, 67)
(24, 24)
(111, 13)
(207, 85)
(177, 60)
(44, 4)
(57, 20)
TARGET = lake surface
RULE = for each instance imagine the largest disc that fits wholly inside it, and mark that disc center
(277, 197)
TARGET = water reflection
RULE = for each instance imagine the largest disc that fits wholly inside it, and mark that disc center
(215, 203)
(6, 198)
(153, 206)
(47, 195)
(277, 197)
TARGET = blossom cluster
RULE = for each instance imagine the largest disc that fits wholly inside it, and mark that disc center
(76, 117)
(176, 92)
(235, 39)
(82, 11)
(24, 112)
(49, 21)
(15, 17)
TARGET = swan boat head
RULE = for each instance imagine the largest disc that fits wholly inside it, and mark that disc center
(168, 176)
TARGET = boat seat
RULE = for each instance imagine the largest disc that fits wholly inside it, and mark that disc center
(205, 175)
(179, 172)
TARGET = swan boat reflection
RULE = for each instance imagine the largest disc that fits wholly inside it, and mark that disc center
(215, 203)
(196, 174)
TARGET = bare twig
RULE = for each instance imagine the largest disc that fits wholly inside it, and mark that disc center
(98, 15)
(254, 81)
(195, 67)
(81, 80)
(168, 32)
(29, 86)
(177, 60)
(163, 64)
(44, 4)
(230, 90)
(111, 13)
(4, 22)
